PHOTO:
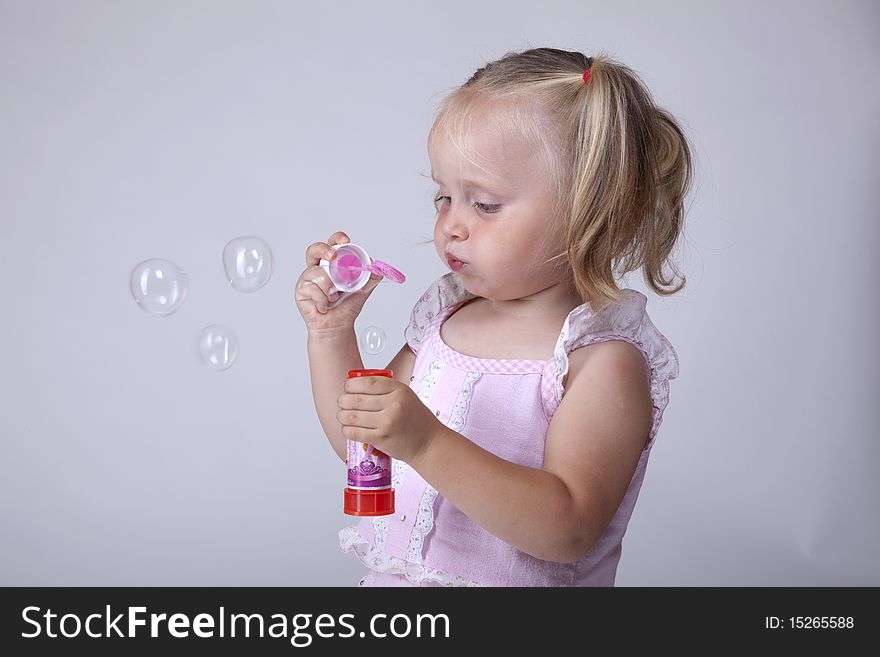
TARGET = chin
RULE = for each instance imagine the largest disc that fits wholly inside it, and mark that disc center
(470, 286)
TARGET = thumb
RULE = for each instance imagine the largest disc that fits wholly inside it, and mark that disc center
(375, 279)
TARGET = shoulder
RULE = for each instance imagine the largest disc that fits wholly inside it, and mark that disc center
(606, 338)
(625, 328)
(611, 376)
(615, 364)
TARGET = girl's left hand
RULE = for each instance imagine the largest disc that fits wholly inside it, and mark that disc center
(388, 415)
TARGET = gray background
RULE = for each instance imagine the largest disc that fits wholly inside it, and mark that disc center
(131, 130)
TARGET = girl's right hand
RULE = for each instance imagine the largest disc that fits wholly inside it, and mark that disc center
(314, 292)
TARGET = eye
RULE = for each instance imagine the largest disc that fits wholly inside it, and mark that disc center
(487, 208)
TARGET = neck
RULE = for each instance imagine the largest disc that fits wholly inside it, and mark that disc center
(558, 298)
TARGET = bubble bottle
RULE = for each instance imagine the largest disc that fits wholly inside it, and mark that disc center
(369, 491)
(350, 270)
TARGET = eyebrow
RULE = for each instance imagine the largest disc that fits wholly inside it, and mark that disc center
(467, 183)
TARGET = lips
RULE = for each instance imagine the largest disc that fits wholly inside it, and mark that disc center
(454, 263)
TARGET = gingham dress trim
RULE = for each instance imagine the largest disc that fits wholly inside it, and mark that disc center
(474, 364)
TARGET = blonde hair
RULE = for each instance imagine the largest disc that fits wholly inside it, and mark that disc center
(621, 166)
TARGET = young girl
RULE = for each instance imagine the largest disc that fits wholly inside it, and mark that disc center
(528, 394)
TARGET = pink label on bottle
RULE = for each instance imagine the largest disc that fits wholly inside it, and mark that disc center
(368, 467)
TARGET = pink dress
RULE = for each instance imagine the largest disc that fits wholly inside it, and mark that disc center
(505, 406)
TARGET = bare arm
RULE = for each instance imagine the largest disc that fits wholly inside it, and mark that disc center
(330, 358)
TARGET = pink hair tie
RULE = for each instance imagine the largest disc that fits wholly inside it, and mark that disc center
(587, 75)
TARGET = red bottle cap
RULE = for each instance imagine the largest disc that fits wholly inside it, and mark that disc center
(354, 373)
(366, 501)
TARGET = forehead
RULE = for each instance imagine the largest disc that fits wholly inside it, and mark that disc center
(481, 146)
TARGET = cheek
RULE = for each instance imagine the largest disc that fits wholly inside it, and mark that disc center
(499, 247)
(536, 244)
(439, 238)
(514, 257)
(439, 241)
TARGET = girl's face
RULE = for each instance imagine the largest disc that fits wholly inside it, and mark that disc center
(496, 223)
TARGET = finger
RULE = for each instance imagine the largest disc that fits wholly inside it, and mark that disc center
(338, 237)
(374, 280)
(362, 419)
(373, 385)
(320, 278)
(318, 250)
(359, 402)
(315, 291)
(357, 433)
(309, 293)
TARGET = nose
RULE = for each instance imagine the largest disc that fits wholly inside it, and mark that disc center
(453, 223)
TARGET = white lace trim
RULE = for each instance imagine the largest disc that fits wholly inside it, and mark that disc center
(380, 530)
(429, 381)
(625, 320)
(462, 404)
(380, 523)
(424, 524)
(425, 517)
(350, 540)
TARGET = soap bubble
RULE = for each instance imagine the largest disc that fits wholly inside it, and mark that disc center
(248, 263)
(218, 346)
(159, 286)
(373, 339)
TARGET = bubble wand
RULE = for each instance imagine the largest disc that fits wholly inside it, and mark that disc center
(351, 268)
